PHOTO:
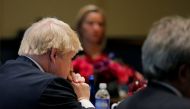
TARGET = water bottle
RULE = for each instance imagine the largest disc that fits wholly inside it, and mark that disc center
(92, 89)
(102, 97)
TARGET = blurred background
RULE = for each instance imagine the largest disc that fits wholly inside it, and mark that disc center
(128, 21)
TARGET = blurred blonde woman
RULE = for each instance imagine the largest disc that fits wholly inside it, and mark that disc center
(91, 26)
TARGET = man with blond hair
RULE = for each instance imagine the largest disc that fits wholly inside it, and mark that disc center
(41, 77)
(166, 64)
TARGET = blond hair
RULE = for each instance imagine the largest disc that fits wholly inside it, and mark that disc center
(83, 12)
(46, 34)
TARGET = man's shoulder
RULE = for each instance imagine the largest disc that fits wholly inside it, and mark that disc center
(16, 64)
(23, 71)
(151, 98)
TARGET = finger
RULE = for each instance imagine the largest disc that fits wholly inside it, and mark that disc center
(75, 85)
(82, 80)
(76, 77)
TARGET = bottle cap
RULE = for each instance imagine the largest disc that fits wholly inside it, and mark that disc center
(91, 77)
(102, 85)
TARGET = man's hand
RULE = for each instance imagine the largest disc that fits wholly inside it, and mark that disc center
(81, 89)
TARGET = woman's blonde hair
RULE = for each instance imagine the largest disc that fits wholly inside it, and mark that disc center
(83, 12)
(46, 34)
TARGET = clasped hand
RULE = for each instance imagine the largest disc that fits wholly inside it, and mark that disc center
(81, 89)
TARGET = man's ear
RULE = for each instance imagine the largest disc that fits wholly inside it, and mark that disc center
(184, 80)
(52, 55)
(184, 73)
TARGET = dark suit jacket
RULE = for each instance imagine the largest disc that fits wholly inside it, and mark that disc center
(24, 86)
(155, 96)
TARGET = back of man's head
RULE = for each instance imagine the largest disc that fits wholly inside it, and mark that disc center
(166, 48)
(46, 34)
